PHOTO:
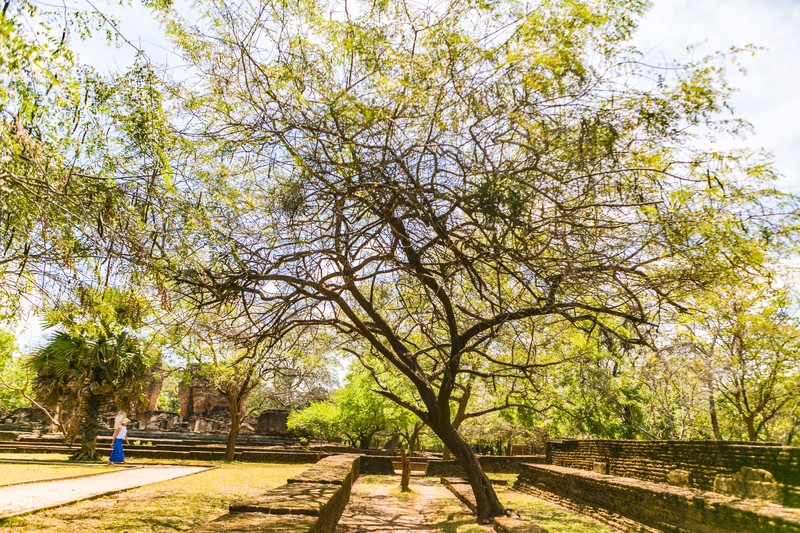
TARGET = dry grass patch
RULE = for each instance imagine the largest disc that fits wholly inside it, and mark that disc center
(20, 473)
(54, 457)
(176, 505)
(550, 517)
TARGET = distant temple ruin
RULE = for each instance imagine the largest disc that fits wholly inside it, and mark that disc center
(203, 409)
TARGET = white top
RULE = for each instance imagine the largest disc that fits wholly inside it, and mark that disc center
(122, 433)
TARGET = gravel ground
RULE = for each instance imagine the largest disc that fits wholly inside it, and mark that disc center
(428, 508)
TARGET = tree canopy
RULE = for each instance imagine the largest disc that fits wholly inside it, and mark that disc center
(445, 188)
(428, 180)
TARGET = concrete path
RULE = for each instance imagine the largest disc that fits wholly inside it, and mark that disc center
(21, 499)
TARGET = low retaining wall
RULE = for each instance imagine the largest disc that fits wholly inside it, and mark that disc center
(377, 464)
(491, 464)
(311, 502)
(703, 460)
(627, 503)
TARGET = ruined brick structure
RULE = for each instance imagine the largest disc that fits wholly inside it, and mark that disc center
(704, 460)
(672, 486)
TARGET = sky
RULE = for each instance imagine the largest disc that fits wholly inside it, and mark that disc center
(767, 95)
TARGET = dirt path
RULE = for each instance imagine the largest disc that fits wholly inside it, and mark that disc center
(21, 499)
(377, 506)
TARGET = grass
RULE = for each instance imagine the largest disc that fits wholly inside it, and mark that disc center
(55, 457)
(19, 473)
(176, 505)
(550, 517)
(59, 458)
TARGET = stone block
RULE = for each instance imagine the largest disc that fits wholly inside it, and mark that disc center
(376, 464)
(520, 449)
(600, 467)
(260, 523)
(308, 499)
(730, 485)
(763, 491)
(679, 478)
(334, 470)
(749, 483)
(272, 422)
(757, 474)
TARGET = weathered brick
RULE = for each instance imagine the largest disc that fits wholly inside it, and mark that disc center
(631, 505)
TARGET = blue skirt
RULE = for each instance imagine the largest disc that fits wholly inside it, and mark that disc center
(116, 452)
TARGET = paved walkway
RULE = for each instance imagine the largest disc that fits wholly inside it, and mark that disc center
(21, 499)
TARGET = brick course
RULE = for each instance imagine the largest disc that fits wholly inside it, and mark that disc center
(636, 506)
(654, 460)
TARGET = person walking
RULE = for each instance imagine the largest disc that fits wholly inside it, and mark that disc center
(120, 434)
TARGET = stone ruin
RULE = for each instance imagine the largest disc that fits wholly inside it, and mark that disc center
(24, 416)
(203, 409)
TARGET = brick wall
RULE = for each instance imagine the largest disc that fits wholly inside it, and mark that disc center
(653, 460)
(491, 464)
(632, 505)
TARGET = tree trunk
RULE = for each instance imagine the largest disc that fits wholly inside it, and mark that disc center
(413, 440)
(712, 412)
(790, 435)
(233, 434)
(752, 434)
(487, 501)
(91, 415)
(446, 455)
(405, 471)
(364, 442)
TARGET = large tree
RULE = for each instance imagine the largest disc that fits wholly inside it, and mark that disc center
(209, 343)
(427, 180)
(94, 361)
(354, 411)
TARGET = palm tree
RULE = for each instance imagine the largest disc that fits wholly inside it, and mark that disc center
(95, 362)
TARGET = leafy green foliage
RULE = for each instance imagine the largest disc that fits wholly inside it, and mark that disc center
(95, 360)
(73, 148)
(354, 411)
(744, 341)
(12, 373)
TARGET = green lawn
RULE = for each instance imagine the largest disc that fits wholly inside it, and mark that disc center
(18, 473)
(176, 505)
